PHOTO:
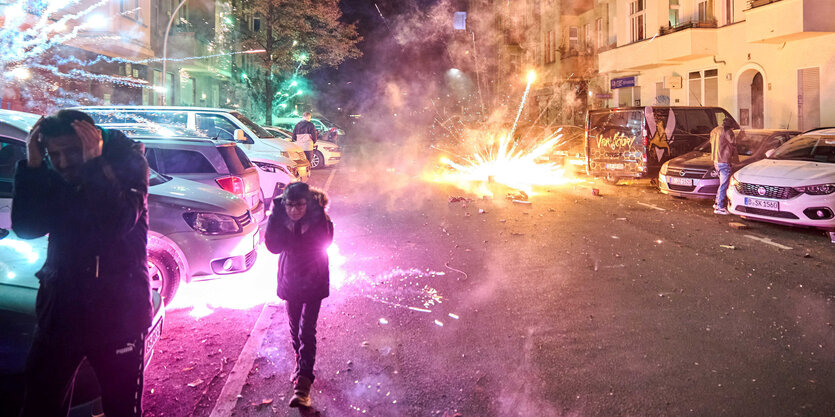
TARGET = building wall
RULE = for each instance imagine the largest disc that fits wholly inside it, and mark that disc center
(734, 58)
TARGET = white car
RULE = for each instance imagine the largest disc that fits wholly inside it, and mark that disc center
(326, 153)
(794, 186)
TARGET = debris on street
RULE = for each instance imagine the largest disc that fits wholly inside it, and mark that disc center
(738, 225)
(731, 247)
(521, 196)
(195, 383)
(521, 202)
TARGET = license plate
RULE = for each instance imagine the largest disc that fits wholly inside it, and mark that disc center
(762, 204)
(614, 166)
(152, 338)
(680, 181)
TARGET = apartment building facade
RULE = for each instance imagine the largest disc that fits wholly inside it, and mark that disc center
(768, 62)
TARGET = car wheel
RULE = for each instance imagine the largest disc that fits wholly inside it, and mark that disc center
(317, 160)
(164, 274)
(612, 179)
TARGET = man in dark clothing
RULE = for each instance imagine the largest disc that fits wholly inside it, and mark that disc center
(305, 135)
(724, 153)
(87, 189)
(301, 231)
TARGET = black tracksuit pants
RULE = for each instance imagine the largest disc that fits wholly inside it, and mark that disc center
(51, 369)
(303, 317)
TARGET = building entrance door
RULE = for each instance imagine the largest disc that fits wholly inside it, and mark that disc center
(757, 116)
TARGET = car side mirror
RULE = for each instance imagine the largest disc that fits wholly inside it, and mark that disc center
(239, 135)
(769, 153)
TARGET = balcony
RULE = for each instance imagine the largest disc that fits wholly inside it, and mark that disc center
(772, 21)
(682, 43)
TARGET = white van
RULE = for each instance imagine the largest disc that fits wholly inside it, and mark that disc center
(260, 146)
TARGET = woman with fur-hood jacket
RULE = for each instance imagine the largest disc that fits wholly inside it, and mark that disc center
(301, 231)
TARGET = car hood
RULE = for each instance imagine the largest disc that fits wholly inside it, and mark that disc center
(787, 173)
(281, 144)
(698, 159)
(194, 196)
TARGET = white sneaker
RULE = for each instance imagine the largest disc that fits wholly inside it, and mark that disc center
(716, 206)
(721, 211)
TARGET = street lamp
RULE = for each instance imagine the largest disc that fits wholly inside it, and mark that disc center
(165, 51)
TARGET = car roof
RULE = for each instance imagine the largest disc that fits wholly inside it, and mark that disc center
(654, 107)
(766, 131)
(18, 119)
(158, 108)
(185, 140)
(822, 131)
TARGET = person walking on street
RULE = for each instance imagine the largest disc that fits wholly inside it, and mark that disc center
(723, 153)
(305, 135)
(87, 189)
(300, 230)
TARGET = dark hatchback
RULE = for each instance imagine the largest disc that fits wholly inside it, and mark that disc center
(692, 174)
(19, 260)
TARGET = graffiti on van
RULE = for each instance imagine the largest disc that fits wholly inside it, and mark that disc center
(660, 134)
(619, 140)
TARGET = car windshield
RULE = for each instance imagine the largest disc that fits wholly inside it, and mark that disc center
(258, 130)
(808, 148)
(747, 143)
(155, 178)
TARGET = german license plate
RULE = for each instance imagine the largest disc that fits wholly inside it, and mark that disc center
(614, 166)
(152, 338)
(680, 181)
(762, 204)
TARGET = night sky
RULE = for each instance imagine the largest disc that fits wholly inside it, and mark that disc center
(355, 85)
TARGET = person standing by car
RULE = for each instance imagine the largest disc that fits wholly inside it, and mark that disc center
(87, 189)
(301, 231)
(305, 135)
(723, 152)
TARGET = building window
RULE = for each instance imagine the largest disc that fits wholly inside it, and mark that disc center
(674, 16)
(704, 88)
(637, 18)
(729, 12)
(601, 36)
(808, 98)
(587, 37)
(573, 38)
(130, 9)
(549, 47)
(705, 11)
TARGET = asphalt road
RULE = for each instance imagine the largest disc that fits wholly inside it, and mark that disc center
(631, 303)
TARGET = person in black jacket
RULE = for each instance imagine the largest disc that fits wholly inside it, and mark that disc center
(306, 135)
(87, 189)
(301, 231)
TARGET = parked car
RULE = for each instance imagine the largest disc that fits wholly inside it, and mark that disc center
(222, 124)
(633, 142)
(327, 130)
(18, 290)
(795, 185)
(185, 240)
(325, 153)
(693, 174)
(274, 175)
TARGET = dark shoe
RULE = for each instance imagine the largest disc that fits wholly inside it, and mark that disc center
(301, 397)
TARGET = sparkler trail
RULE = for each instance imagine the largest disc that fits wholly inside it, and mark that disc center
(531, 78)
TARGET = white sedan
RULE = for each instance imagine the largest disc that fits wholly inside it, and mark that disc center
(794, 186)
(326, 153)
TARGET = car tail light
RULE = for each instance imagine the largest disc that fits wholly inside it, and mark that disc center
(234, 185)
(646, 138)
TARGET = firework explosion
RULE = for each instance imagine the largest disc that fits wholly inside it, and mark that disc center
(499, 159)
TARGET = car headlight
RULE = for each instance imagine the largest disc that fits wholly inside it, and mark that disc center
(822, 189)
(664, 168)
(713, 173)
(734, 182)
(330, 148)
(212, 223)
(270, 167)
(285, 154)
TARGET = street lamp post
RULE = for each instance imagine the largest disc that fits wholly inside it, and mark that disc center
(165, 52)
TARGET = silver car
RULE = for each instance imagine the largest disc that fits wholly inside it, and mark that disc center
(196, 230)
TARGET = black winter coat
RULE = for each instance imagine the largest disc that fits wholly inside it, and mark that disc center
(308, 127)
(94, 285)
(303, 272)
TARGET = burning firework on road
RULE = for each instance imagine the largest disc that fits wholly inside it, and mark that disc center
(500, 159)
